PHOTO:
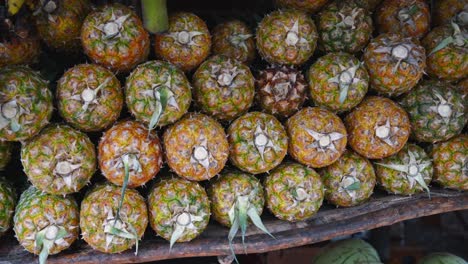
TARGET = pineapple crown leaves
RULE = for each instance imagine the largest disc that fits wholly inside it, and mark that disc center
(10, 114)
(47, 238)
(116, 227)
(300, 192)
(163, 96)
(89, 96)
(350, 182)
(240, 212)
(113, 27)
(349, 21)
(65, 169)
(385, 132)
(413, 169)
(323, 141)
(405, 14)
(282, 82)
(458, 38)
(263, 140)
(129, 161)
(226, 75)
(292, 36)
(183, 220)
(201, 154)
(48, 8)
(185, 37)
(238, 40)
(443, 108)
(345, 79)
(401, 51)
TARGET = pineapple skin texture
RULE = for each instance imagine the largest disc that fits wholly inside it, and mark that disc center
(30, 92)
(7, 206)
(184, 57)
(361, 122)
(395, 182)
(449, 63)
(172, 193)
(450, 163)
(110, 96)
(93, 216)
(180, 138)
(223, 102)
(222, 45)
(243, 153)
(386, 17)
(327, 94)
(426, 124)
(33, 212)
(270, 94)
(310, 6)
(62, 31)
(271, 33)
(381, 66)
(56, 142)
(319, 120)
(445, 10)
(5, 154)
(20, 50)
(281, 202)
(128, 137)
(224, 190)
(154, 72)
(130, 48)
(333, 174)
(335, 38)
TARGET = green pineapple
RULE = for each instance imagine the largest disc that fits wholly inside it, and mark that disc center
(5, 154)
(45, 224)
(407, 172)
(179, 210)
(7, 205)
(349, 181)
(25, 103)
(107, 228)
(234, 39)
(89, 97)
(157, 93)
(258, 142)
(451, 163)
(436, 110)
(223, 87)
(293, 192)
(338, 81)
(60, 160)
(344, 26)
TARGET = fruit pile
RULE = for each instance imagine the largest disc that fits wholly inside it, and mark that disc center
(340, 97)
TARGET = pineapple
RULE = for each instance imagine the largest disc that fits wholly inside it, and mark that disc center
(158, 93)
(235, 40)
(310, 6)
(349, 181)
(446, 10)
(395, 63)
(186, 44)
(258, 142)
(377, 128)
(60, 160)
(7, 205)
(447, 52)
(18, 43)
(196, 147)
(25, 103)
(411, 18)
(106, 228)
(286, 37)
(338, 81)
(451, 163)
(436, 110)
(129, 154)
(317, 137)
(236, 198)
(5, 154)
(45, 224)
(114, 37)
(89, 97)
(179, 210)
(281, 90)
(344, 26)
(293, 192)
(407, 172)
(223, 88)
(58, 22)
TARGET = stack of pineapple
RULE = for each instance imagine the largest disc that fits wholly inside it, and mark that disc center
(351, 94)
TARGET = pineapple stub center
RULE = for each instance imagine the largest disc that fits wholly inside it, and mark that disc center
(403, 15)
(183, 37)
(444, 110)
(184, 219)
(301, 194)
(325, 141)
(400, 52)
(10, 110)
(200, 153)
(111, 29)
(349, 21)
(292, 38)
(382, 131)
(413, 170)
(51, 232)
(261, 139)
(50, 6)
(346, 78)
(225, 79)
(88, 95)
(63, 167)
(347, 181)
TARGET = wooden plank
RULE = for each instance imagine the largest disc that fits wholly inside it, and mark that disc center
(381, 210)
